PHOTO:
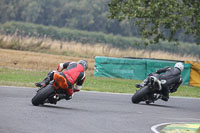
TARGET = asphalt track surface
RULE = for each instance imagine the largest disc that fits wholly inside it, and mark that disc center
(90, 112)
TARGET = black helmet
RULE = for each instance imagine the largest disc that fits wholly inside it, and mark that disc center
(84, 63)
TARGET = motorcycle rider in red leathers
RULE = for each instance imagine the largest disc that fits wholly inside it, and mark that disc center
(73, 72)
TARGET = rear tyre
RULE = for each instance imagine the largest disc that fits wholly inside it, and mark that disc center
(140, 95)
(42, 95)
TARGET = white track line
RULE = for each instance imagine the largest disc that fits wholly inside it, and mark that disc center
(154, 128)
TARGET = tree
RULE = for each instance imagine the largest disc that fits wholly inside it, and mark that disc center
(159, 19)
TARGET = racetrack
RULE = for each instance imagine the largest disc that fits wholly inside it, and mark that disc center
(90, 112)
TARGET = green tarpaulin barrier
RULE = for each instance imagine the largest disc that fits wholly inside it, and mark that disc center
(137, 69)
(119, 68)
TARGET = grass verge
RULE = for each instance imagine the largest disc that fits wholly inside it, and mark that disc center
(198, 130)
(27, 78)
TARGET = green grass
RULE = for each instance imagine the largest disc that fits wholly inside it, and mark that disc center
(198, 130)
(27, 78)
(16, 77)
(110, 85)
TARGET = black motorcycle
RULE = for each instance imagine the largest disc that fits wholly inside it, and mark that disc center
(150, 92)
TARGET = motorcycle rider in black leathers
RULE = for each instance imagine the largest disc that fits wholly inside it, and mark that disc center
(170, 79)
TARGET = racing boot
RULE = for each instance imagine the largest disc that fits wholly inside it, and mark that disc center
(139, 85)
(165, 96)
(43, 83)
(145, 82)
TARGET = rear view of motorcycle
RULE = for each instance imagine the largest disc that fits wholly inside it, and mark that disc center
(149, 92)
(52, 92)
(43, 95)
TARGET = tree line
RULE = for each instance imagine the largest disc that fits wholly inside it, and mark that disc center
(88, 15)
(160, 19)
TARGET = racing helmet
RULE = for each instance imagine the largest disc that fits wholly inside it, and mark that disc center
(179, 65)
(84, 63)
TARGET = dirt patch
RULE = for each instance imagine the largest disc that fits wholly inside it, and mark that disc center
(36, 61)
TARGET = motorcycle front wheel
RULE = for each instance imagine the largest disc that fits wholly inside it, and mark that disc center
(42, 95)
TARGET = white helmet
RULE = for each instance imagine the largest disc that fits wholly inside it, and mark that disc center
(179, 65)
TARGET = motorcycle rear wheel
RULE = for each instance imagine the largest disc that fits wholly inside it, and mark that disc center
(140, 95)
(42, 95)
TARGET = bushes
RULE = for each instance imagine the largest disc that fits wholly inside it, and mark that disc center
(27, 29)
(64, 34)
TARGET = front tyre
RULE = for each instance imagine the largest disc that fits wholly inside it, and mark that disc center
(42, 95)
(140, 95)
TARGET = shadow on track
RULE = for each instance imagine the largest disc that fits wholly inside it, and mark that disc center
(158, 105)
(57, 107)
(62, 108)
